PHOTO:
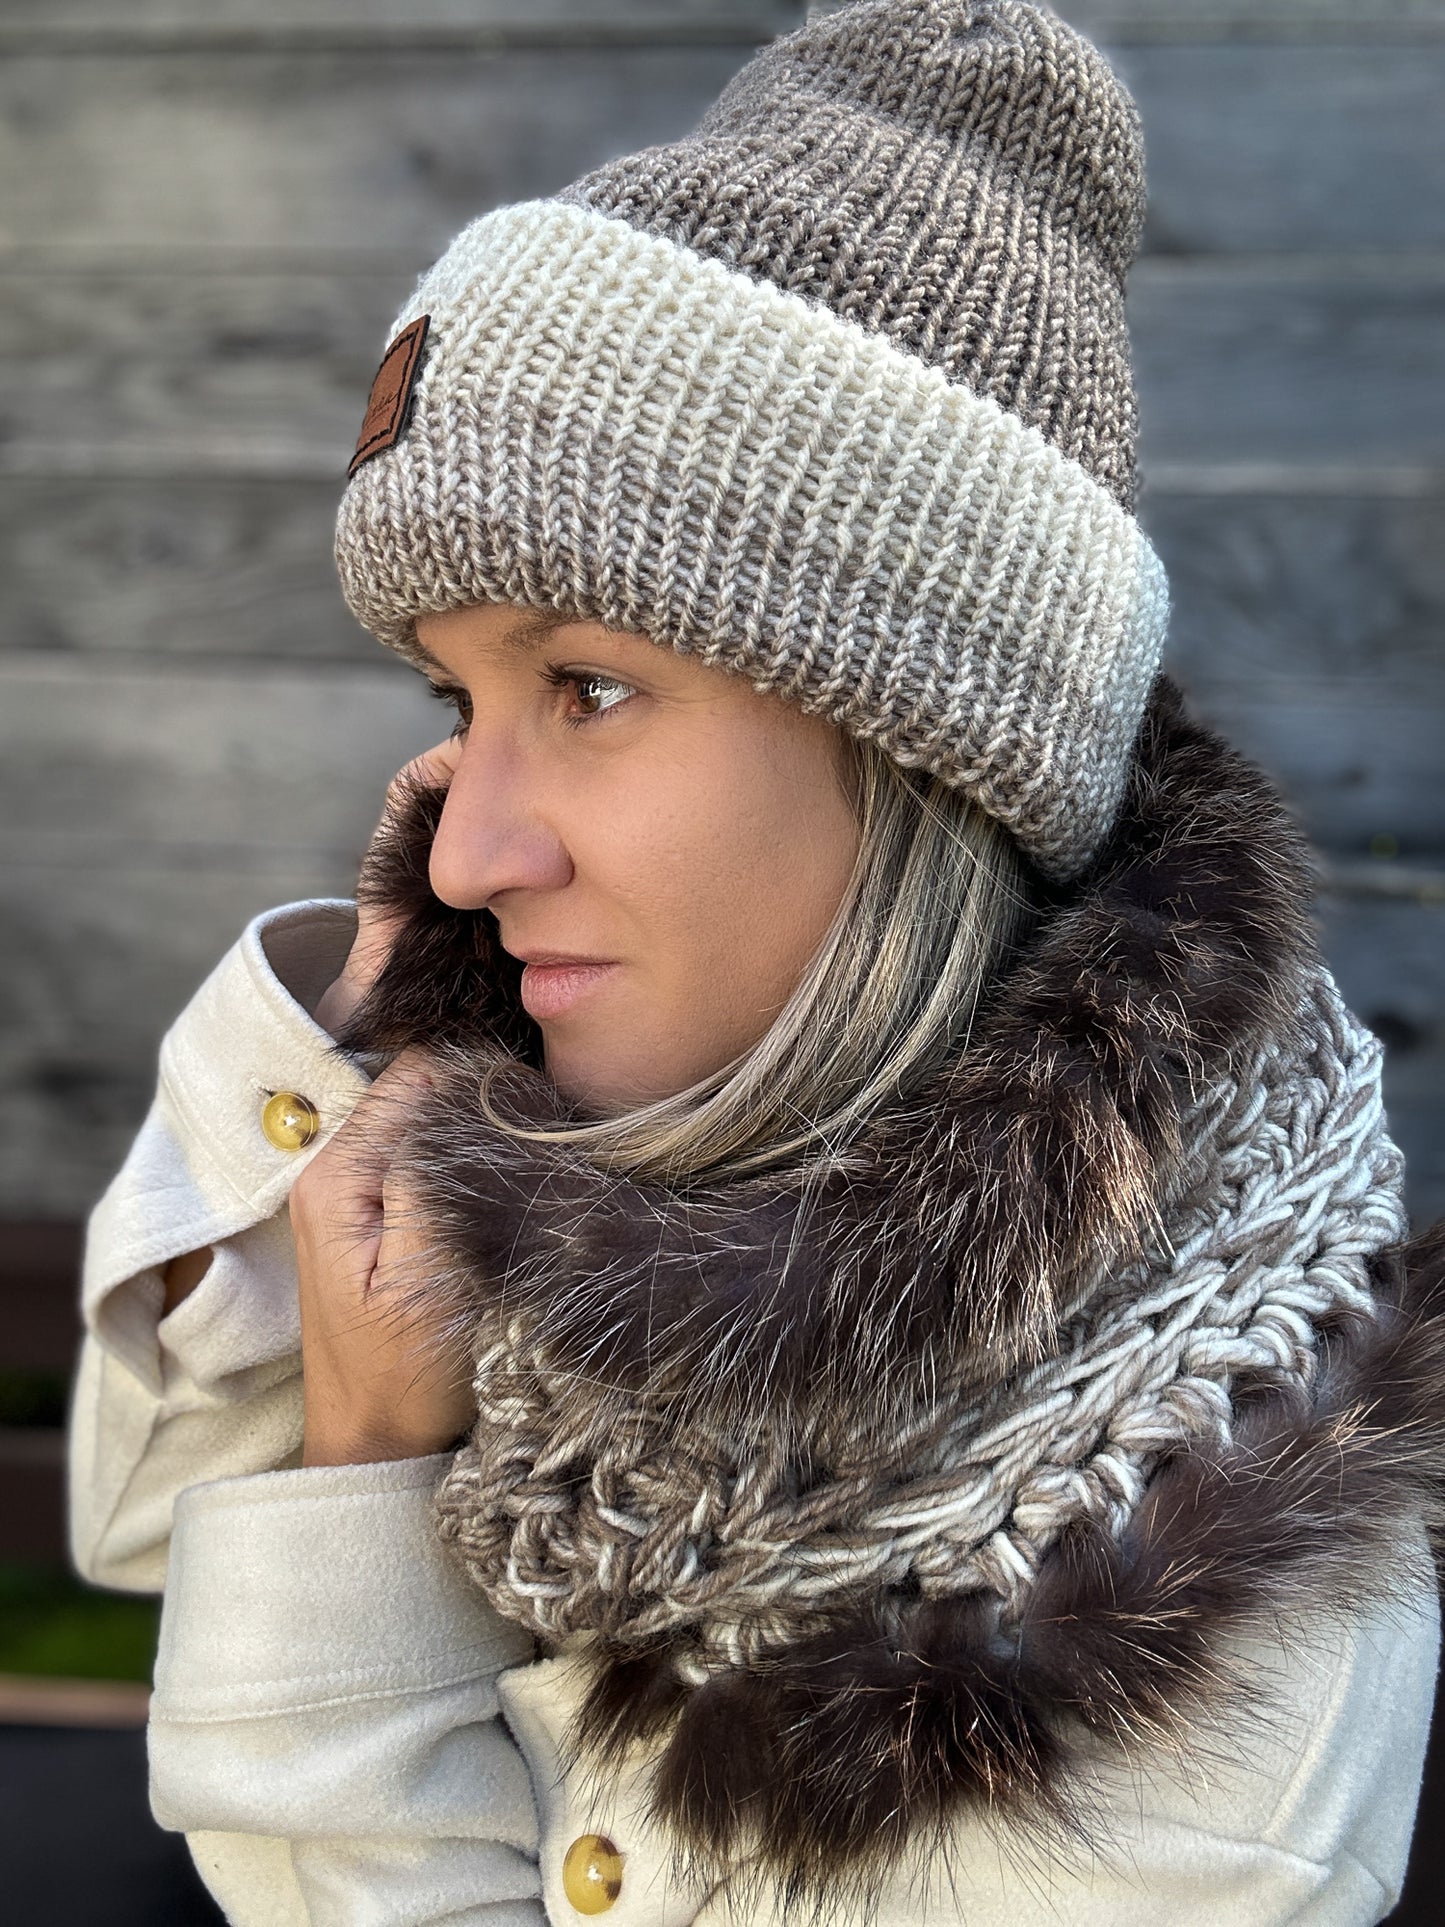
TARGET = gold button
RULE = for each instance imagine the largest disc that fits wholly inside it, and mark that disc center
(592, 1873)
(289, 1121)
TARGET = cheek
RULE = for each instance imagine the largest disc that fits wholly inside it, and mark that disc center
(734, 877)
(711, 870)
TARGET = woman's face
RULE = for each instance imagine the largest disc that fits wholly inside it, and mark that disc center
(663, 847)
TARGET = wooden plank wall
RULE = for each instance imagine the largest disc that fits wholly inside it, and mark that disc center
(210, 211)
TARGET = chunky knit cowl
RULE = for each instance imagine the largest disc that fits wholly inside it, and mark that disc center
(883, 1482)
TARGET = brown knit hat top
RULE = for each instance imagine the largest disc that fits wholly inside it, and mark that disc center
(966, 181)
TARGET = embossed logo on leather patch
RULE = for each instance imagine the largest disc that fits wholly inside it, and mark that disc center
(390, 401)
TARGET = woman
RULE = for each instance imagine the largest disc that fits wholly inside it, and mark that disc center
(858, 1353)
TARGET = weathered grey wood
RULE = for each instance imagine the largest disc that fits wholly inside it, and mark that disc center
(149, 25)
(311, 152)
(94, 963)
(199, 15)
(1298, 589)
(1307, 362)
(208, 568)
(180, 310)
(1372, 15)
(1250, 147)
(1119, 23)
(1291, 147)
(189, 763)
(256, 371)
(1360, 759)
(656, 16)
(1390, 962)
(1312, 631)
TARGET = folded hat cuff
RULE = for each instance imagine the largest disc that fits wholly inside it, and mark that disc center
(610, 423)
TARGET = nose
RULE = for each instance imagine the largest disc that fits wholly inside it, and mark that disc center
(493, 836)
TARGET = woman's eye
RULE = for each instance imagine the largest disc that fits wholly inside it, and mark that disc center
(457, 699)
(598, 693)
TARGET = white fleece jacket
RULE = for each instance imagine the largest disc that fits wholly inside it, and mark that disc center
(347, 1733)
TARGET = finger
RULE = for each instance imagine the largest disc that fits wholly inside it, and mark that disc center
(406, 1078)
(386, 1110)
(436, 766)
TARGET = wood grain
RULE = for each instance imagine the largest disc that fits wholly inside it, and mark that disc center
(1358, 758)
(309, 153)
(1314, 362)
(657, 17)
(184, 764)
(145, 25)
(215, 567)
(1303, 588)
(1116, 23)
(1389, 959)
(1250, 148)
(1288, 148)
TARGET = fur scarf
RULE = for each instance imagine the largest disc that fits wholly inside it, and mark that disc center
(887, 1484)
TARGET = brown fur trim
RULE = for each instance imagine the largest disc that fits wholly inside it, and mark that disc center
(1183, 947)
(820, 1767)
(447, 977)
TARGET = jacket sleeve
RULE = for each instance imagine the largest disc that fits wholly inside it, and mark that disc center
(327, 1686)
(212, 1389)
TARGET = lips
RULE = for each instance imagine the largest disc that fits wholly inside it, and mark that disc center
(552, 986)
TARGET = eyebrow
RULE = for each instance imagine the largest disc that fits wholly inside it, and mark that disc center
(533, 626)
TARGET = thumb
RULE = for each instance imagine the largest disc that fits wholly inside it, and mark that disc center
(390, 1103)
(437, 766)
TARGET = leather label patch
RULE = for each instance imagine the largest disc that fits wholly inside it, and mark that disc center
(390, 401)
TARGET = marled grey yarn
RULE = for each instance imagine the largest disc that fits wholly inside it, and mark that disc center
(965, 180)
(678, 1529)
(834, 394)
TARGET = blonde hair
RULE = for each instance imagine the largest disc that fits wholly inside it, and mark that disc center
(937, 897)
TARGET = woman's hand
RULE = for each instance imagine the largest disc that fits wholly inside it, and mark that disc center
(383, 1377)
(376, 932)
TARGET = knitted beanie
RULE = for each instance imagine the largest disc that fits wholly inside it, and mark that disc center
(835, 393)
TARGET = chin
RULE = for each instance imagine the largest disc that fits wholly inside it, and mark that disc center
(606, 1086)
